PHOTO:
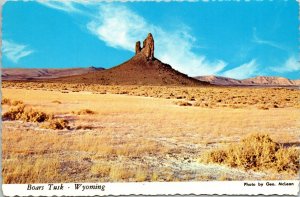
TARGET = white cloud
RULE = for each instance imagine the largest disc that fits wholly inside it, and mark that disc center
(67, 6)
(244, 71)
(120, 27)
(14, 51)
(273, 44)
(290, 65)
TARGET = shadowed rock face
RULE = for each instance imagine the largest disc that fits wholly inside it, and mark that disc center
(138, 47)
(148, 47)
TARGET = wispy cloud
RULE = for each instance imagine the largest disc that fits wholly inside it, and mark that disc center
(120, 27)
(261, 41)
(14, 52)
(244, 71)
(67, 6)
(290, 65)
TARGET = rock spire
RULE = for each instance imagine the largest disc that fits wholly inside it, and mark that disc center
(148, 47)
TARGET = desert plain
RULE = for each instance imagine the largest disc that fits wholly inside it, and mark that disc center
(143, 133)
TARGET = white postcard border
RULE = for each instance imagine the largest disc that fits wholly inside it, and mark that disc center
(290, 187)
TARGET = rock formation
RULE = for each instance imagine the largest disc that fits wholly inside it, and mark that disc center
(138, 47)
(148, 47)
(142, 69)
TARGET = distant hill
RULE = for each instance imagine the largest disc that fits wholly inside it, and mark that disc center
(141, 69)
(37, 73)
(217, 80)
(257, 81)
(262, 80)
(297, 82)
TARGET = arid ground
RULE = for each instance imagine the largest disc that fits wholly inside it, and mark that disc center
(139, 133)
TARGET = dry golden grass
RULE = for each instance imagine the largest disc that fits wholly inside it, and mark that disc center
(256, 152)
(31, 170)
(101, 170)
(84, 127)
(85, 112)
(141, 174)
(183, 103)
(56, 124)
(17, 102)
(6, 101)
(129, 133)
(56, 101)
(120, 173)
(261, 98)
(27, 114)
(154, 176)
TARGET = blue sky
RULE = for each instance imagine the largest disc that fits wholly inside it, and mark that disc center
(232, 39)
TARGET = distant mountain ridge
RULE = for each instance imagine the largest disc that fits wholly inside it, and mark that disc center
(263, 80)
(258, 81)
(24, 74)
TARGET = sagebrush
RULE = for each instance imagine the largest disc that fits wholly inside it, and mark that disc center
(256, 152)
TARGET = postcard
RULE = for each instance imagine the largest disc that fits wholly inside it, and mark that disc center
(150, 98)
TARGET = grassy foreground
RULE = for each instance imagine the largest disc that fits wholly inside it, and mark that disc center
(113, 137)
